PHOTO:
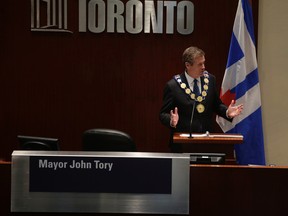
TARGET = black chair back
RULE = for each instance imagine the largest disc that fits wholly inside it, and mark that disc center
(36, 146)
(107, 140)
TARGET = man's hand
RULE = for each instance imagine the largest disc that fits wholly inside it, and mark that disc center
(233, 110)
(174, 117)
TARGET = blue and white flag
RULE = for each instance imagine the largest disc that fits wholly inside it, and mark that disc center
(241, 83)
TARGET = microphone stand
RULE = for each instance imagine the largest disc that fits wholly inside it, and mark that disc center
(191, 120)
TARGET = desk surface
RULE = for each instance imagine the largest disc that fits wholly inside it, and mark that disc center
(5, 162)
(214, 138)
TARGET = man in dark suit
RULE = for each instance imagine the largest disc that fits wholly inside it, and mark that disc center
(193, 93)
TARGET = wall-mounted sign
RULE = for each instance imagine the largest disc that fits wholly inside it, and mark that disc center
(115, 16)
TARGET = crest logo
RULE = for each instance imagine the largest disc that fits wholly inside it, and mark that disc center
(49, 16)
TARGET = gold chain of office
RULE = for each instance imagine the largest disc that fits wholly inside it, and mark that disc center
(200, 107)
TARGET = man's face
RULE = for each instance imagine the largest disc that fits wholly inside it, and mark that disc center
(196, 70)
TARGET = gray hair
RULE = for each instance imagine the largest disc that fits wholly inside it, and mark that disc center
(191, 53)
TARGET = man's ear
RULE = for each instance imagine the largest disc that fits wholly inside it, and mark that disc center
(187, 64)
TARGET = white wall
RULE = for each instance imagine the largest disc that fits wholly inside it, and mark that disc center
(273, 75)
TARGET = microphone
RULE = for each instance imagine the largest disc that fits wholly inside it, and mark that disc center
(191, 120)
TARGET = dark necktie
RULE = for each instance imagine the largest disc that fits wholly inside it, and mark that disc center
(196, 88)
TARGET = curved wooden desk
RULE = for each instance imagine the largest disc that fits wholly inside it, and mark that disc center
(214, 190)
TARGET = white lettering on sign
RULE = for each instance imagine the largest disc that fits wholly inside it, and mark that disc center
(80, 165)
(115, 16)
(135, 17)
(52, 164)
(75, 164)
(101, 165)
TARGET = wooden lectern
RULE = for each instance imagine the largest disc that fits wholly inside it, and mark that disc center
(209, 143)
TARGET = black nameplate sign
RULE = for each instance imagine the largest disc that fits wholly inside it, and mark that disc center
(100, 175)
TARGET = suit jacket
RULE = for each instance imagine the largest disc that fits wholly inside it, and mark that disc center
(175, 96)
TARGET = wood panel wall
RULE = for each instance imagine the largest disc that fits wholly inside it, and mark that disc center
(61, 84)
